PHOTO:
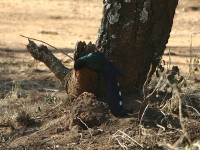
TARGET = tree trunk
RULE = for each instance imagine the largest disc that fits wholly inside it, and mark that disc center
(134, 34)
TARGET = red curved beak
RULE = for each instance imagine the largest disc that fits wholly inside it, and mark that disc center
(76, 73)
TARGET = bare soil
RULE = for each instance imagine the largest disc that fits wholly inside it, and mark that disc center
(36, 113)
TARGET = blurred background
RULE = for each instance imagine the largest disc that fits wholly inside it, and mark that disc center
(59, 22)
(63, 22)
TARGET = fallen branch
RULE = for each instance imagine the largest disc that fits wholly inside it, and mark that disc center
(42, 54)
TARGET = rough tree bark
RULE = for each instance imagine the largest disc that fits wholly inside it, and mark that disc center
(134, 34)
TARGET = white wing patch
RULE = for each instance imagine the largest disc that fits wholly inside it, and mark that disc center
(120, 93)
(120, 103)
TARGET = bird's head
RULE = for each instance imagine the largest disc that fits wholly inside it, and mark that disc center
(79, 64)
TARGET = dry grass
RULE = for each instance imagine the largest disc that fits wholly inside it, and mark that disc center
(24, 110)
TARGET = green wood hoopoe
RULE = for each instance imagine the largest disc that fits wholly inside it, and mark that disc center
(97, 62)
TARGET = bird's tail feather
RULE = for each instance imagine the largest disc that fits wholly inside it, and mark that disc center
(115, 99)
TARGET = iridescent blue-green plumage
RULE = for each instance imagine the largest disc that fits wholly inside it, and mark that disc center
(94, 61)
(97, 62)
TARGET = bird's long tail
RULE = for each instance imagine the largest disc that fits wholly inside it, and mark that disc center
(115, 99)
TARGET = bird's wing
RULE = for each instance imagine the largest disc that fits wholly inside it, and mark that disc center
(112, 69)
(94, 61)
(115, 99)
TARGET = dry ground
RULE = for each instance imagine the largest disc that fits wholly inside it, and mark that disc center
(36, 113)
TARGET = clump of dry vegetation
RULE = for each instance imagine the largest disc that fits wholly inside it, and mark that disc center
(24, 119)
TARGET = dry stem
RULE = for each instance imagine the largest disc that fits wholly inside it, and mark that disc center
(48, 45)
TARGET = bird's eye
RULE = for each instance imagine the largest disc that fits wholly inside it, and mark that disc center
(79, 65)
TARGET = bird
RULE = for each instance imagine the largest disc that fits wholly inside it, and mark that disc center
(97, 62)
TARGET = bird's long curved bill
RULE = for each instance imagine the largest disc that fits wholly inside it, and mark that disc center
(76, 73)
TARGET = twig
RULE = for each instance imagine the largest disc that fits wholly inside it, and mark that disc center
(48, 45)
(180, 140)
(169, 59)
(122, 145)
(185, 134)
(146, 97)
(125, 136)
(191, 58)
(143, 116)
(89, 129)
(161, 127)
(146, 83)
(193, 109)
